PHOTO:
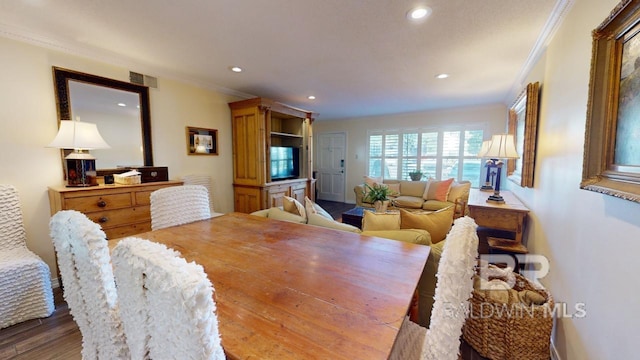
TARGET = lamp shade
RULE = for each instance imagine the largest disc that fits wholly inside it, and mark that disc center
(502, 147)
(484, 148)
(79, 136)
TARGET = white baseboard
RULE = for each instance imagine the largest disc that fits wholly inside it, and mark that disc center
(554, 353)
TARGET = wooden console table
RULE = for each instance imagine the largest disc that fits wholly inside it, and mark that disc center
(510, 216)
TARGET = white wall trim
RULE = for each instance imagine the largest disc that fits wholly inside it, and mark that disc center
(558, 14)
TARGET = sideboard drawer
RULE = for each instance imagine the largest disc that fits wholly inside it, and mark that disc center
(143, 197)
(88, 204)
(112, 218)
(127, 230)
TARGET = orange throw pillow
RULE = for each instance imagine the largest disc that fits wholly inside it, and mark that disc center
(437, 190)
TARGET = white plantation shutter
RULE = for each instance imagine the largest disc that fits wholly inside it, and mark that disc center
(438, 153)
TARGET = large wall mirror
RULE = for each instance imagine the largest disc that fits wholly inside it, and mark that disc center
(119, 109)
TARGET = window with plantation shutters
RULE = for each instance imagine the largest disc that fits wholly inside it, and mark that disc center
(438, 153)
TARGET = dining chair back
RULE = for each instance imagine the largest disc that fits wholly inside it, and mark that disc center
(453, 290)
(25, 280)
(89, 286)
(207, 182)
(167, 304)
(177, 205)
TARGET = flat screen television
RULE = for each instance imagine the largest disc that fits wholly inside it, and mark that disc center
(285, 163)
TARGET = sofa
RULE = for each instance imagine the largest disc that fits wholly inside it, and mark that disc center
(401, 226)
(428, 195)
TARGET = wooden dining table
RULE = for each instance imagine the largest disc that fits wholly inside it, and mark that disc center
(295, 291)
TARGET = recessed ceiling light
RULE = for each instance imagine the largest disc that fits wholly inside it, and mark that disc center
(419, 13)
(122, 104)
(442, 76)
(311, 97)
(235, 69)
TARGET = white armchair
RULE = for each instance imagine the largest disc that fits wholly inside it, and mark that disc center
(25, 280)
(89, 286)
(166, 303)
(207, 182)
(453, 290)
(177, 205)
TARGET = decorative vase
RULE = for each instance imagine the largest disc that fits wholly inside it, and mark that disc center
(381, 205)
(415, 177)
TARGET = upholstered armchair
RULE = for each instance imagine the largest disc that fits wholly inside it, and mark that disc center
(25, 280)
(177, 205)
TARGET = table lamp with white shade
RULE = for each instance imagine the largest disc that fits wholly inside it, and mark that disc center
(79, 136)
(501, 147)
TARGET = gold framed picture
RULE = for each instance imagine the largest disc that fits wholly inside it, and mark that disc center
(201, 141)
(611, 162)
(523, 125)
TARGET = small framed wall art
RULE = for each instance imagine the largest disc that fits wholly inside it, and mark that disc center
(201, 141)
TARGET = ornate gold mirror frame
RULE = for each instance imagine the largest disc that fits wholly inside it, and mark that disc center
(611, 163)
(523, 125)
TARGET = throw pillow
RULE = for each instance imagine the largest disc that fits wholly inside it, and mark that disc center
(437, 190)
(279, 214)
(437, 223)
(386, 221)
(319, 220)
(293, 206)
(371, 180)
(459, 191)
(313, 208)
(412, 188)
(394, 189)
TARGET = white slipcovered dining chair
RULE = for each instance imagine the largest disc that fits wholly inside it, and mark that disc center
(453, 290)
(177, 205)
(166, 303)
(207, 182)
(25, 280)
(89, 287)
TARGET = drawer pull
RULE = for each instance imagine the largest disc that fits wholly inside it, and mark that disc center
(103, 219)
(102, 203)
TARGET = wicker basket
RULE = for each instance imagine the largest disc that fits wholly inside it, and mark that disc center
(502, 331)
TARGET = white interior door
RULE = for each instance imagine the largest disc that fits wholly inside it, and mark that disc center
(330, 166)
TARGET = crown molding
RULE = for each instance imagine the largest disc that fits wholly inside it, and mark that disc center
(558, 14)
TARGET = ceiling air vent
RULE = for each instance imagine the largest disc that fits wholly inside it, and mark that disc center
(142, 79)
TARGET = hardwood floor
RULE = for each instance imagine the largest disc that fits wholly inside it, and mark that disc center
(335, 208)
(55, 337)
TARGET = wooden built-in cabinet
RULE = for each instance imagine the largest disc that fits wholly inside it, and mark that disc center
(121, 210)
(258, 124)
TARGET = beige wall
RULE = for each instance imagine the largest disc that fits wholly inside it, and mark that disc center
(491, 117)
(28, 122)
(591, 240)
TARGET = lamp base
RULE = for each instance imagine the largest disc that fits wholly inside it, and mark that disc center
(81, 172)
(495, 199)
(486, 187)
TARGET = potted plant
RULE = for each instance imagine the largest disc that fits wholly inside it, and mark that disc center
(378, 195)
(416, 175)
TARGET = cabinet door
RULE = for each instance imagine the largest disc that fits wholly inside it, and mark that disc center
(276, 195)
(248, 146)
(298, 192)
(246, 199)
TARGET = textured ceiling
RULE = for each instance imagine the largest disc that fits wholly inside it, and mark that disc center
(358, 57)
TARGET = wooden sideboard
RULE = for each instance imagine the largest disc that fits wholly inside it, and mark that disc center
(121, 210)
(510, 216)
